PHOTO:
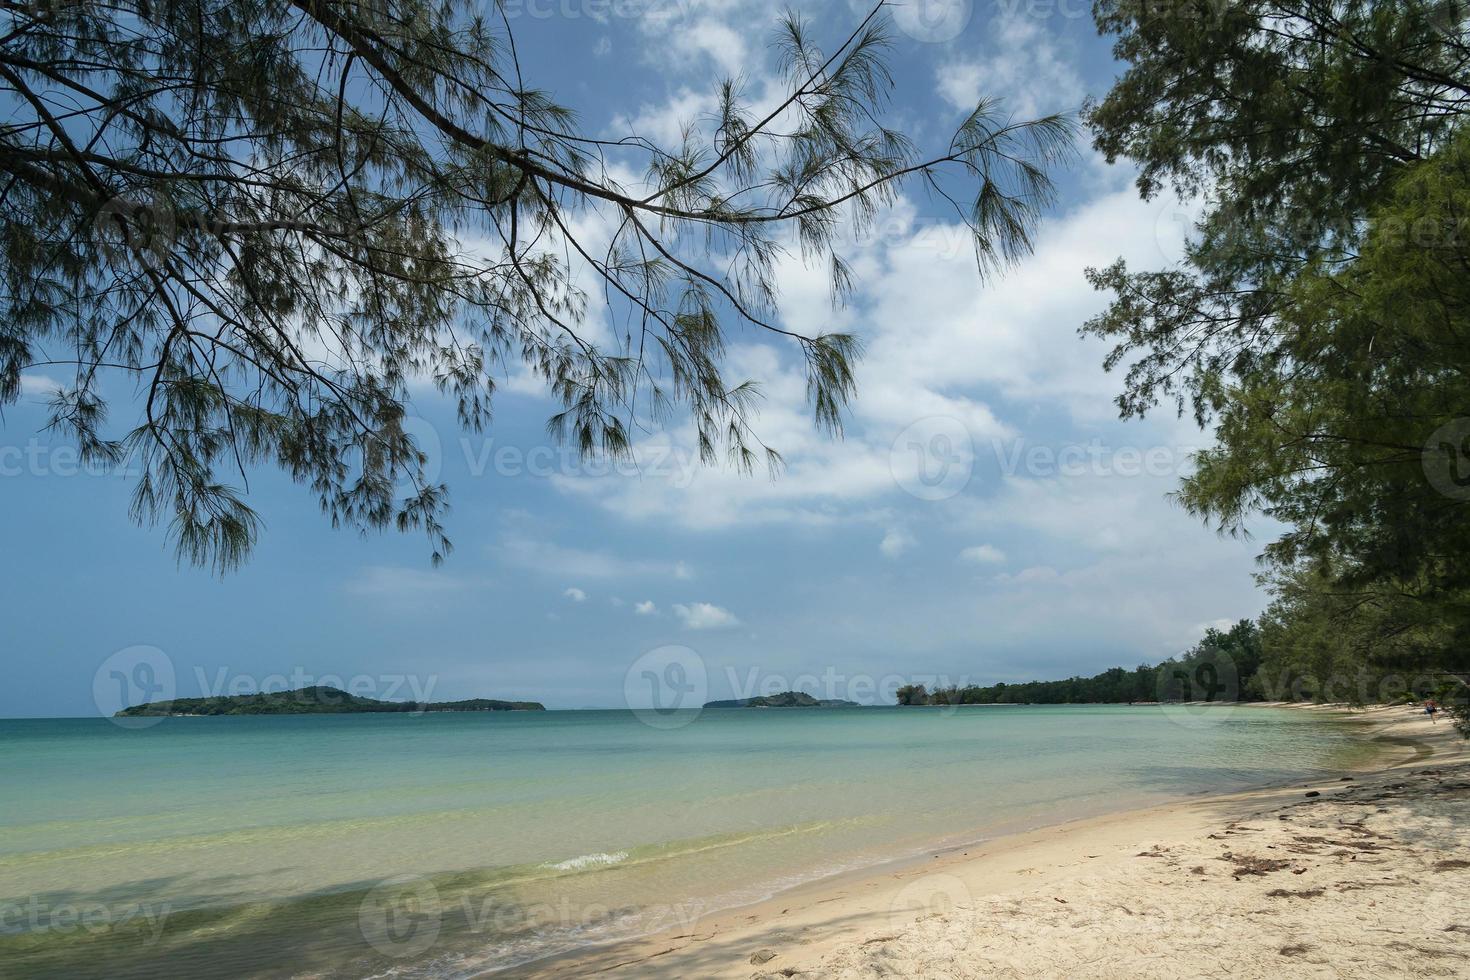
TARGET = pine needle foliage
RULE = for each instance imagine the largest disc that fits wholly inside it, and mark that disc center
(273, 218)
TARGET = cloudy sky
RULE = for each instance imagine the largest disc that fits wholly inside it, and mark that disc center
(986, 517)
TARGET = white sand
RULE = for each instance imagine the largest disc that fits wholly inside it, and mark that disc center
(1371, 878)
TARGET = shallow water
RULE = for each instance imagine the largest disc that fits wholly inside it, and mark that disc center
(449, 844)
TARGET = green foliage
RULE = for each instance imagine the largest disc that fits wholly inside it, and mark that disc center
(1286, 118)
(1455, 698)
(1354, 435)
(1319, 320)
(1323, 643)
(271, 219)
(783, 699)
(316, 700)
(913, 694)
(1221, 667)
(1347, 433)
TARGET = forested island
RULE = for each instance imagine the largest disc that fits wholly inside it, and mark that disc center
(313, 701)
(786, 699)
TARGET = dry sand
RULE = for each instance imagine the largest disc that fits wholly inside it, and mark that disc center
(1366, 876)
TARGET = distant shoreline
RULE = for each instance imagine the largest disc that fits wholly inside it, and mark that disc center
(406, 707)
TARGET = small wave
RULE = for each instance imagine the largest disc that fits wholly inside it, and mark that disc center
(584, 861)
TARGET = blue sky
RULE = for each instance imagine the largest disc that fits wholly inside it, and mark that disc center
(987, 517)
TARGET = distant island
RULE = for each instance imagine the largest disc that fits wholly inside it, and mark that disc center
(786, 699)
(312, 701)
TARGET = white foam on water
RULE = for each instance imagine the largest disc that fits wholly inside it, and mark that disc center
(598, 860)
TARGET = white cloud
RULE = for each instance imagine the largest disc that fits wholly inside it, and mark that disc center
(1001, 358)
(705, 616)
(682, 571)
(939, 344)
(1022, 65)
(983, 554)
(603, 46)
(717, 41)
(933, 329)
(896, 542)
(707, 32)
(34, 383)
(575, 594)
(664, 124)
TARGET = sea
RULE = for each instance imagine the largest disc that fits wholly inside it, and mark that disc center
(451, 845)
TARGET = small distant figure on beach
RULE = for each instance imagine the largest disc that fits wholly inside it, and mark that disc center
(1431, 709)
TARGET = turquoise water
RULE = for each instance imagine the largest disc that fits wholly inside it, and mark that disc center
(448, 845)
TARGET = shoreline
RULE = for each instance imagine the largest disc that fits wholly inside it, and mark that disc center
(851, 924)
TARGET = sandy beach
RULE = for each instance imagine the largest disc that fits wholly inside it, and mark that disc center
(1366, 875)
